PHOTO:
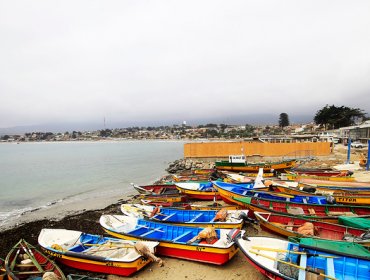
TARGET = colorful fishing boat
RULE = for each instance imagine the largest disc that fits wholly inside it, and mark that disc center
(340, 196)
(200, 191)
(190, 206)
(165, 198)
(229, 192)
(314, 191)
(299, 177)
(190, 178)
(321, 172)
(238, 163)
(282, 259)
(232, 177)
(194, 218)
(176, 241)
(94, 252)
(156, 189)
(2, 269)
(343, 248)
(326, 212)
(325, 183)
(24, 261)
(356, 222)
(300, 227)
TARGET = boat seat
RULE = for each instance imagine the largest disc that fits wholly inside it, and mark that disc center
(196, 218)
(290, 225)
(330, 267)
(150, 232)
(169, 216)
(337, 213)
(302, 263)
(295, 210)
(182, 236)
(311, 211)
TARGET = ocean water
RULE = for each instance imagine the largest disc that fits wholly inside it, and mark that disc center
(37, 177)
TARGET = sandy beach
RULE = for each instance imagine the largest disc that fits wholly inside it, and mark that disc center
(88, 221)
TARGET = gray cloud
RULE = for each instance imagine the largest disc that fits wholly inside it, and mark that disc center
(145, 61)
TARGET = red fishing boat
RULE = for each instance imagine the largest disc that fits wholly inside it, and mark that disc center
(300, 227)
(156, 189)
(325, 212)
(24, 261)
(321, 172)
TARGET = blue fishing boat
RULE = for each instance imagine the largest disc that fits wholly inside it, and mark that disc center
(209, 245)
(223, 218)
(282, 259)
(229, 191)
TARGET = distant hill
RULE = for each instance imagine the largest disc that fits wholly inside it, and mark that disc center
(256, 119)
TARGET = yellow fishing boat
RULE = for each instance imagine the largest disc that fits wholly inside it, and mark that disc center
(238, 163)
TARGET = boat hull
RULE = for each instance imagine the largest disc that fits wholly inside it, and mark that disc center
(199, 191)
(295, 177)
(188, 252)
(243, 167)
(349, 198)
(95, 253)
(284, 225)
(108, 267)
(199, 195)
(45, 264)
(229, 197)
(327, 213)
(265, 254)
(321, 191)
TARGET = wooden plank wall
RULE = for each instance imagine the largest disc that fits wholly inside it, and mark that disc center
(224, 149)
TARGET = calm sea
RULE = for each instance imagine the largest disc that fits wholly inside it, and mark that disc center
(38, 176)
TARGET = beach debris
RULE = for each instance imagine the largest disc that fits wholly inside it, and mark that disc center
(209, 234)
(155, 211)
(306, 229)
(50, 276)
(144, 250)
(221, 215)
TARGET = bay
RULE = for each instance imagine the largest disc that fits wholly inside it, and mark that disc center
(39, 180)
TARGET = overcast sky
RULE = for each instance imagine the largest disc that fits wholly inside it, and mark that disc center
(129, 61)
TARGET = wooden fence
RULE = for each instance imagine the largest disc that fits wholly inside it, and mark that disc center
(287, 150)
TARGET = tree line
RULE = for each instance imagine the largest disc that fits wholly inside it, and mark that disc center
(331, 117)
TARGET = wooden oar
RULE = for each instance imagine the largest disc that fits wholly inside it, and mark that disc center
(123, 222)
(27, 272)
(117, 245)
(275, 194)
(32, 257)
(14, 259)
(292, 264)
(282, 225)
(161, 214)
(292, 252)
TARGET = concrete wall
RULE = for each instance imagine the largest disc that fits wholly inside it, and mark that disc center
(224, 149)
